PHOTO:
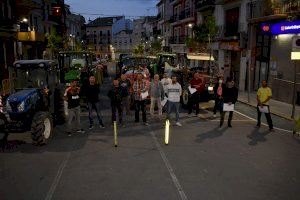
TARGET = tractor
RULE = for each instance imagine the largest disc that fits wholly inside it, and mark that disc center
(35, 102)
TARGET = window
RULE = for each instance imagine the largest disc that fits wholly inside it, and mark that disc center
(100, 33)
(108, 32)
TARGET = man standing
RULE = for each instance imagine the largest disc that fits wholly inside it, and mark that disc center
(218, 94)
(230, 96)
(264, 94)
(92, 95)
(194, 99)
(125, 86)
(174, 92)
(165, 81)
(115, 95)
(73, 99)
(157, 94)
(139, 87)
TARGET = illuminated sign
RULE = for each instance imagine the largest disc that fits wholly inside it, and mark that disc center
(286, 28)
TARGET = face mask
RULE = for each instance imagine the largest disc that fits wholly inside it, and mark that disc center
(220, 81)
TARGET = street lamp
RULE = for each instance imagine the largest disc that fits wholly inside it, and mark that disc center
(24, 20)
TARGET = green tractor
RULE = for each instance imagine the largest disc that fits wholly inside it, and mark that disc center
(35, 102)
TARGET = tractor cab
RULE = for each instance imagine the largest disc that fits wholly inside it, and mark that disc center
(35, 99)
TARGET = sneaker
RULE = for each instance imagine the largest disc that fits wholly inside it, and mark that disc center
(101, 126)
(80, 131)
(178, 124)
(271, 130)
(229, 125)
(91, 127)
(146, 124)
(214, 115)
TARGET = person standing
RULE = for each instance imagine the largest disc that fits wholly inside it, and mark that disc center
(73, 99)
(174, 91)
(218, 94)
(115, 95)
(230, 96)
(125, 87)
(92, 96)
(157, 94)
(139, 87)
(264, 94)
(194, 99)
(165, 81)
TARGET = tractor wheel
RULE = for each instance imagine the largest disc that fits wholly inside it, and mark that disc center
(185, 98)
(41, 128)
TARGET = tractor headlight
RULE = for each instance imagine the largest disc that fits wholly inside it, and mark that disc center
(21, 106)
(41, 65)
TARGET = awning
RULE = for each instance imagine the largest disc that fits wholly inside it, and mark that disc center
(200, 57)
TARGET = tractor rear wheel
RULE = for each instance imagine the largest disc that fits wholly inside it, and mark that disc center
(41, 128)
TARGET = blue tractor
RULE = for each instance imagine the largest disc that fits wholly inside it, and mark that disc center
(35, 102)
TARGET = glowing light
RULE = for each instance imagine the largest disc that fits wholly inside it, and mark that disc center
(115, 134)
(167, 132)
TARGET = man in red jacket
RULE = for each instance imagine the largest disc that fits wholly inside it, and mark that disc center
(194, 100)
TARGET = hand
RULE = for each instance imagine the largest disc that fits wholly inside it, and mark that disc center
(229, 103)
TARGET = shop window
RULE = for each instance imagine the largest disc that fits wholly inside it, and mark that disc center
(232, 22)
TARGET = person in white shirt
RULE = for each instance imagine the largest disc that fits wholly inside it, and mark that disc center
(165, 81)
(174, 92)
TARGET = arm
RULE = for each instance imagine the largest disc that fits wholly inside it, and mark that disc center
(269, 97)
(180, 90)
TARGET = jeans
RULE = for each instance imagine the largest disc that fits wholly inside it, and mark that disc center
(95, 106)
(114, 109)
(73, 113)
(218, 105)
(140, 105)
(172, 105)
(268, 116)
(158, 102)
(194, 100)
(223, 116)
(125, 106)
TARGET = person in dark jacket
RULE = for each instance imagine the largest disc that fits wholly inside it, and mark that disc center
(218, 94)
(92, 93)
(115, 95)
(230, 96)
(194, 99)
(125, 86)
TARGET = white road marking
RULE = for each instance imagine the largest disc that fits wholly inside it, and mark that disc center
(169, 167)
(57, 177)
(280, 129)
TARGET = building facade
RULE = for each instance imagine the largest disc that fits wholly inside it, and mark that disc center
(123, 43)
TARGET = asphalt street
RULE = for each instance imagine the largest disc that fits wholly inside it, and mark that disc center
(200, 162)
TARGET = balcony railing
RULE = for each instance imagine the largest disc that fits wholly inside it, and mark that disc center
(204, 4)
(177, 40)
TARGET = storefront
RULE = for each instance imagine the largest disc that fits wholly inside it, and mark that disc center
(274, 63)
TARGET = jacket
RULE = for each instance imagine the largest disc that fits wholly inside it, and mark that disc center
(230, 95)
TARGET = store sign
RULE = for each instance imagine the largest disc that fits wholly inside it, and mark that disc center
(285, 28)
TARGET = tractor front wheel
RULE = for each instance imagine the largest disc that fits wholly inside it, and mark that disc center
(41, 128)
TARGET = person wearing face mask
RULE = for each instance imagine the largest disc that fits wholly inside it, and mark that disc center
(218, 91)
(230, 96)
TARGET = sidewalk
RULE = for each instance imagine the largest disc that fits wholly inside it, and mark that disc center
(278, 108)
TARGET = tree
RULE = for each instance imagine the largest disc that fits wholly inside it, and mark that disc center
(156, 47)
(139, 49)
(203, 34)
(55, 42)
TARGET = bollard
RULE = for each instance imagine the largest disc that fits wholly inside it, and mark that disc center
(115, 134)
(167, 132)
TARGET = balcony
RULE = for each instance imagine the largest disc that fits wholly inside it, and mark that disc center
(177, 40)
(185, 14)
(202, 5)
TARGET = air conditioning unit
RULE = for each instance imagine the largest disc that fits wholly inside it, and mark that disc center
(296, 44)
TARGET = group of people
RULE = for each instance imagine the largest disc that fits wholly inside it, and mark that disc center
(165, 94)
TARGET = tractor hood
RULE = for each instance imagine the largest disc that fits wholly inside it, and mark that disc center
(22, 95)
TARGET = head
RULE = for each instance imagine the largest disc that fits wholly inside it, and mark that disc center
(92, 80)
(139, 77)
(123, 77)
(220, 79)
(116, 83)
(156, 77)
(230, 82)
(196, 75)
(73, 83)
(165, 75)
(174, 79)
(264, 83)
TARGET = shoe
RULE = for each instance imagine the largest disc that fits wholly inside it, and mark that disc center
(146, 124)
(257, 126)
(178, 124)
(214, 115)
(101, 126)
(229, 125)
(271, 130)
(91, 127)
(80, 131)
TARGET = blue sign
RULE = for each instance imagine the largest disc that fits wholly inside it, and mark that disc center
(285, 28)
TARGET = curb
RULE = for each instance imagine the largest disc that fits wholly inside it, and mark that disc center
(274, 113)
